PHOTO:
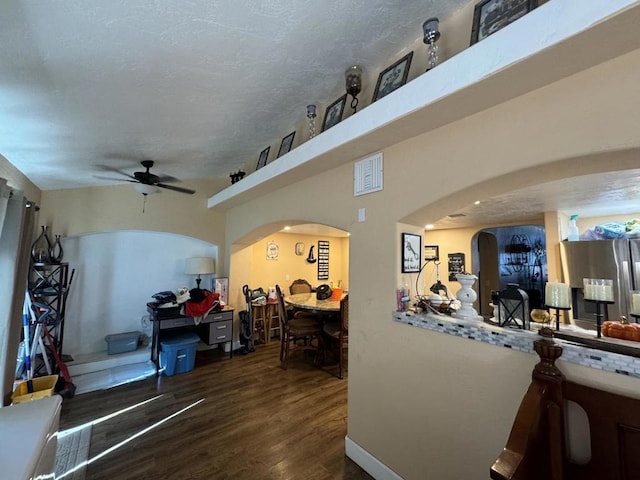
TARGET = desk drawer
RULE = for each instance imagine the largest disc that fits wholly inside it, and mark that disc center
(176, 322)
(217, 332)
(219, 317)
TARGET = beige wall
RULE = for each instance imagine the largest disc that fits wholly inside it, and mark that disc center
(289, 266)
(119, 207)
(416, 396)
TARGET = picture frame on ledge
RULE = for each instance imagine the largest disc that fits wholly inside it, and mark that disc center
(262, 159)
(411, 248)
(393, 77)
(489, 16)
(333, 114)
(286, 144)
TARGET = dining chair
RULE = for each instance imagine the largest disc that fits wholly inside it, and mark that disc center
(300, 286)
(337, 334)
(297, 333)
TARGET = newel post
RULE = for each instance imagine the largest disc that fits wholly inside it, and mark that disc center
(551, 377)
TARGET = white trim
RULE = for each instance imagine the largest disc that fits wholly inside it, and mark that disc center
(368, 462)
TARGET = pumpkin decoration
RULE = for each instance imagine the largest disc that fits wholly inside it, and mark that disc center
(622, 330)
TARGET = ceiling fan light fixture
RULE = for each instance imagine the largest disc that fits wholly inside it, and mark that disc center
(145, 189)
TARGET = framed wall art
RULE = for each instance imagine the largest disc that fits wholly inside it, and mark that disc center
(286, 144)
(262, 160)
(411, 248)
(456, 265)
(392, 77)
(490, 16)
(323, 260)
(431, 253)
(272, 250)
(221, 286)
(333, 115)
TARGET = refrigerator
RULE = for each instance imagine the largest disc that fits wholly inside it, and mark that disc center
(617, 260)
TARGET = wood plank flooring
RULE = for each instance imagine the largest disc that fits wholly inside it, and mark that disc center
(257, 421)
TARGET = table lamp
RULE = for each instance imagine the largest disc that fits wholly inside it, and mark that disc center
(199, 266)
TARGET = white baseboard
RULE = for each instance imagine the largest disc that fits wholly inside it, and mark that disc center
(368, 462)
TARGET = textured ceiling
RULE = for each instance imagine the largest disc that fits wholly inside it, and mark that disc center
(201, 87)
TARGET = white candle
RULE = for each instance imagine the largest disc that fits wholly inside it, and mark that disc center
(589, 294)
(598, 289)
(635, 303)
(557, 295)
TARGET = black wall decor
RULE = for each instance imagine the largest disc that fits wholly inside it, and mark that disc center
(323, 260)
(456, 265)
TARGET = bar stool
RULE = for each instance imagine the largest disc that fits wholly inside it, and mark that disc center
(267, 314)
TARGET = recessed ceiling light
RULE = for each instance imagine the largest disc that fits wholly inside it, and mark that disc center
(477, 202)
(287, 228)
(429, 226)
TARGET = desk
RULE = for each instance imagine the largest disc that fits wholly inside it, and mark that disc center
(309, 301)
(216, 328)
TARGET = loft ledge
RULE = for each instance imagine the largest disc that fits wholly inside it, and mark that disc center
(556, 40)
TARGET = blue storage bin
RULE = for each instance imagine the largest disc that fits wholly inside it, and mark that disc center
(178, 353)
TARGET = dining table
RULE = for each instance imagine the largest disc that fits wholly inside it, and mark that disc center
(309, 302)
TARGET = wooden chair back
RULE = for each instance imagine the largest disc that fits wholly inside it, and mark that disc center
(282, 309)
(344, 314)
(300, 286)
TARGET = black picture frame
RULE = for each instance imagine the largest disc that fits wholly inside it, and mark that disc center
(286, 144)
(489, 16)
(393, 77)
(262, 159)
(333, 114)
(456, 265)
(431, 253)
(411, 248)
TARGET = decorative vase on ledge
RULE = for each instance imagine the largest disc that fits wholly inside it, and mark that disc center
(467, 295)
(56, 252)
(41, 247)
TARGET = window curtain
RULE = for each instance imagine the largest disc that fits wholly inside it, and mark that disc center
(5, 193)
(15, 245)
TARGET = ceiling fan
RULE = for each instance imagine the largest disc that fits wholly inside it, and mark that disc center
(147, 181)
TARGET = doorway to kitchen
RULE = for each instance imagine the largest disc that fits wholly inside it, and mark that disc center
(514, 254)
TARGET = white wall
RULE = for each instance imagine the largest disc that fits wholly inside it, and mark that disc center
(116, 274)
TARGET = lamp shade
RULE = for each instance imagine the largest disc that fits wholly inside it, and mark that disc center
(145, 189)
(199, 266)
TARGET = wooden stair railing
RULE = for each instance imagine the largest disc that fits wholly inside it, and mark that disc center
(537, 446)
(532, 449)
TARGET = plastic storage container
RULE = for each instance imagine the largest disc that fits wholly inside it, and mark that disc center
(178, 353)
(122, 342)
(42, 387)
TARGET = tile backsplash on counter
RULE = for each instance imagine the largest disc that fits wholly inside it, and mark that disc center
(521, 340)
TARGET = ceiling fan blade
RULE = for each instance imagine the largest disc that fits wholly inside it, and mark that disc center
(107, 168)
(176, 189)
(167, 179)
(115, 179)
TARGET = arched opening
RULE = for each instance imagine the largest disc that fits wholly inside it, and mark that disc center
(510, 254)
(283, 252)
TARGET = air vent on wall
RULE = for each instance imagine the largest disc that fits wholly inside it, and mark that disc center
(367, 175)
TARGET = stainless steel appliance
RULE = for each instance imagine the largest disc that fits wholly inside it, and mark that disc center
(617, 260)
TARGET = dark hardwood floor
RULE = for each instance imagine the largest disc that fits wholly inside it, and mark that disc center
(256, 421)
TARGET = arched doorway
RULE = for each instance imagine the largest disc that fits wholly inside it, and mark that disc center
(512, 254)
